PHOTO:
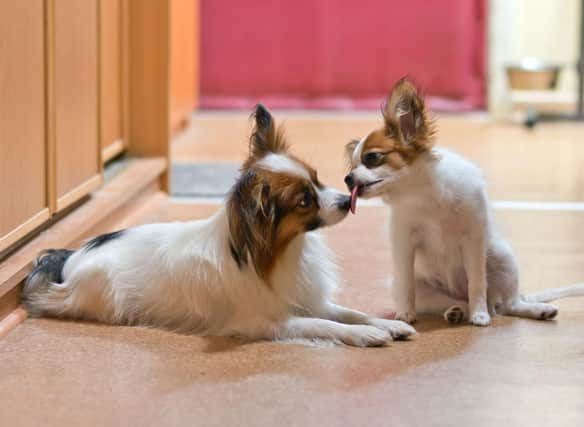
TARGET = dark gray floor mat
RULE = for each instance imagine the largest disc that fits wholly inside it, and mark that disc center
(203, 179)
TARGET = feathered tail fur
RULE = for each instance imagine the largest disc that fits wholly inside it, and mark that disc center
(557, 293)
(38, 295)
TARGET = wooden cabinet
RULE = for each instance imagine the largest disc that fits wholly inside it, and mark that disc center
(184, 61)
(49, 111)
(22, 119)
(113, 71)
(75, 103)
(77, 78)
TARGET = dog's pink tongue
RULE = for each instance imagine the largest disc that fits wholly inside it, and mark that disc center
(354, 199)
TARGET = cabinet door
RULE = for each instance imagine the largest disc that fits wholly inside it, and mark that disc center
(111, 78)
(184, 61)
(77, 150)
(22, 119)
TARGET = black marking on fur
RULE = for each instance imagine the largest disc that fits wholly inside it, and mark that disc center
(399, 336)
(314, 224)
(103, 239)
(236, 256)
(455, 314)
(262, 116)
(545, 315)
(240, 201)
(259, 140)
(50, 264)
(343, 202)
(279, 215)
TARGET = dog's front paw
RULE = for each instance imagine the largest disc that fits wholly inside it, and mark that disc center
(365, 336)
(398, 330)
(406, 316)
(480, 318)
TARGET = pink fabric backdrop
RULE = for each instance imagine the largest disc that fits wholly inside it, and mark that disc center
(341, 54)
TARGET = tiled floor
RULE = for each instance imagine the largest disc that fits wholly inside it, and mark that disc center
(517, 372)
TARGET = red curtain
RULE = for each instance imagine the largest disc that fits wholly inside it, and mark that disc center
(341, 54)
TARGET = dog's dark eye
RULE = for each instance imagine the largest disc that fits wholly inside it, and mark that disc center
(306, 200)
(372, 159)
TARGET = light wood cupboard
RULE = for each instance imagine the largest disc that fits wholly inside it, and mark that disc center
(113, 44)
(184, 61)
(24, 204)
(50, 154)
(80, 81)
(75, 79)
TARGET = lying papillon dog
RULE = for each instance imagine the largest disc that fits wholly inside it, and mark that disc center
(448, 257)
(257, 269)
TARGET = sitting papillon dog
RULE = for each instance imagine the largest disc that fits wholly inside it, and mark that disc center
(448, 257)
(257, 269)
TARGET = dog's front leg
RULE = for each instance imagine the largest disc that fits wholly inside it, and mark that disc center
(474, 253)
(397, 329)
(404, 289)
(313, 328)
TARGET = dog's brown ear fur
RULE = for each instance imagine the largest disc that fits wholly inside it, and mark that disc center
(406, 118)
(252, 224)
(265, 137)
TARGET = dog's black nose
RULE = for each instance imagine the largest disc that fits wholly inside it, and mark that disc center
(344, 202)
(350, 181)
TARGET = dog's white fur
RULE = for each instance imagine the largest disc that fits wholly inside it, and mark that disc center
(449, 258)
(182, 276)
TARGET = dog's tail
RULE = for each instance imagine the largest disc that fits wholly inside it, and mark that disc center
(557, 293)
(41, 294)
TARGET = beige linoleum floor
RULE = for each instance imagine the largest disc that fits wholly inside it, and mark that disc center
(517, 372)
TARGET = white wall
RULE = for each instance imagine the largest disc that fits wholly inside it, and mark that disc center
(545, 29)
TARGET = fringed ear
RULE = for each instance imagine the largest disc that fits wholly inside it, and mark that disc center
(405, 116)
(252, 222)
(265, 137)
(349, 150)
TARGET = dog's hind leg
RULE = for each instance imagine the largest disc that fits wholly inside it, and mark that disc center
(532, 310)
(503, 277)
(430, 300)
